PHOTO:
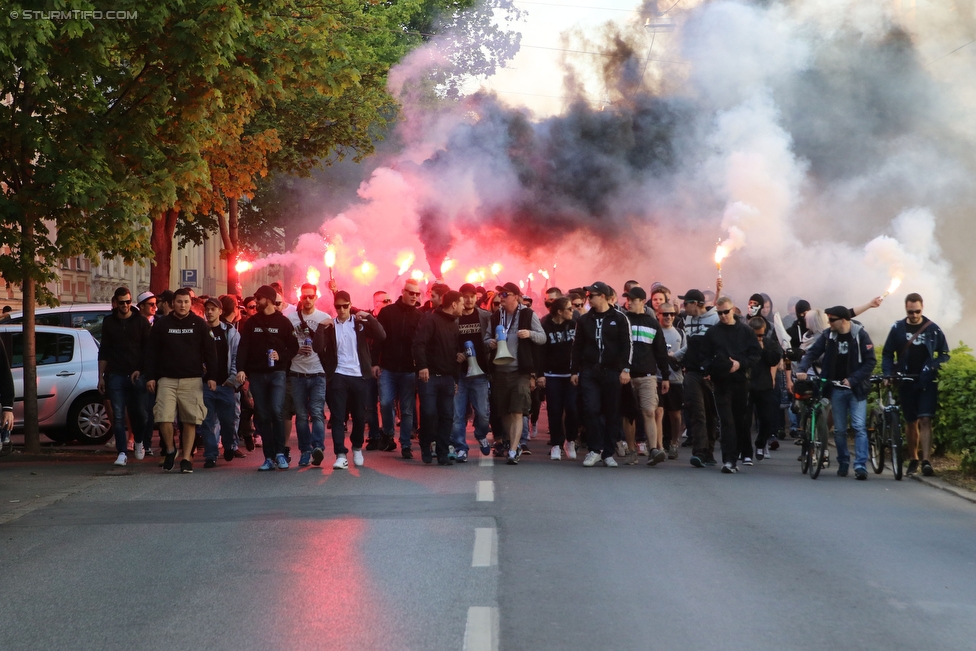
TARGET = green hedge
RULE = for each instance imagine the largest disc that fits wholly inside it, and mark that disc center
(955, 429)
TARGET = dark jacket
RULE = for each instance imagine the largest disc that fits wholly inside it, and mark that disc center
(528, 354)
(611, 348)
(124, 342)
(6, 382)
(437, 343)
(324, 343)
(261, 333)
(695, 358)
(935, 343)
(650, 348)
(400, 322)
(772, 353)
(796, 332)
(826, 347)
(181, 348)
(557, 352)
(736, 341)
(476, 338)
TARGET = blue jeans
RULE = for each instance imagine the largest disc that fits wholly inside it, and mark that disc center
(268, 390)
(401, 388)
(437, 414)
(222, 417)
(470, 391)
(308, 395)
(843, 402)
(126, 395)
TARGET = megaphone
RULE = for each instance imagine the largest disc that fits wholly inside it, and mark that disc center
(473, 369)
(502, 356)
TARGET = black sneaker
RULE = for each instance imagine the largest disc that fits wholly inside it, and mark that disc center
(513, 459)
(169, 460)
(207, 463)
(445, 462)
(389, 445)
(860, 474)
(426, 458)
(186, 466)
(912, 467)
(407, 453)
(228, 455)
(373, 444)
(842, 470)
(696, 462)
(317, 456)
(524, 449)
(927, 469)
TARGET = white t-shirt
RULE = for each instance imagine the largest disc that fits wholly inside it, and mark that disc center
(348, 351)
(306, 363)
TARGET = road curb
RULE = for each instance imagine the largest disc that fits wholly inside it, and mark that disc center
(934, 482)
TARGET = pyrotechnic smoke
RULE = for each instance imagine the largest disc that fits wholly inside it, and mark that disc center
(826, 139)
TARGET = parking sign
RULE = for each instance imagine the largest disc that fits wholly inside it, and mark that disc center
(188, 277)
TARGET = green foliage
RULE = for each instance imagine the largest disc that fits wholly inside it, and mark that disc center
(956, 426)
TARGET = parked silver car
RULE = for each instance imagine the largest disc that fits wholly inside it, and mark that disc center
(69, 405)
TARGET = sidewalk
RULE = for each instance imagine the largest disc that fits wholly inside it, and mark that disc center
(935, 482)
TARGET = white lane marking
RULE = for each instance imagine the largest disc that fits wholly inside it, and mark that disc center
(481, 631)
(486, 491)
(485, 547)
(43, 502)
(486, 461)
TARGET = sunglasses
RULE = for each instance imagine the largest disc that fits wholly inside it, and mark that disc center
(308, 297)
(577, 305)
(387, 301)
(670, 315)
(153, 304)
(129, 302)
(722, 312)
(342, 307)
(506, 294)
(409, 293)
(913, 312)
(251, 306)
(834, 319)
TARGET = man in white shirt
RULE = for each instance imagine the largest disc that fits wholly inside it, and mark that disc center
(307, 378)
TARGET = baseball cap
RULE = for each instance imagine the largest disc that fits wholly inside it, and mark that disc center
(468, 288)
(215, 302)
(267, 292)
(598, 288)
(143, 297)
(839, 311)
(636, 292)
(693, 295)
(511, 288)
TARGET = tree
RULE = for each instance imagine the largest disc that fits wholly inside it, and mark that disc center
(83, 105)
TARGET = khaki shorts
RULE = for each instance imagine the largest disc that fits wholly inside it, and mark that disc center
(179, 394)
(510, 393)
(645, 390)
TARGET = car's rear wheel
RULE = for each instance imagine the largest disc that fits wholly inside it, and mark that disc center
(88, 420)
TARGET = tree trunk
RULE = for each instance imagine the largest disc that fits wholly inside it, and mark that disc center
(163, 230)
(232, 246)
(32, 434)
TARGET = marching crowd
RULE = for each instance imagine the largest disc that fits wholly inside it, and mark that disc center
(622, 376)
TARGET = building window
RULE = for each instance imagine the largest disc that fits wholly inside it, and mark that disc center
(66, 287)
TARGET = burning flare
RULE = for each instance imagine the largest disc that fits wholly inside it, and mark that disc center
(312, 276)
(365, 268)
(496, 268)
(330, 257)
(721, 253)
(242, 266)
(895, 284)
(446, 266)
(404, 260)
(417, 275)
(544, 273)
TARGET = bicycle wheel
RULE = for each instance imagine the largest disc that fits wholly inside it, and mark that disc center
(876, 440)
(819, 446)
(894, 432)
(805, 437)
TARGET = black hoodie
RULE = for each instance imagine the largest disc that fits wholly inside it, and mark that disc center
(261, 333)
(437, 343)
(124, 342)
(181, 348)
(736, 341)
(400, 322)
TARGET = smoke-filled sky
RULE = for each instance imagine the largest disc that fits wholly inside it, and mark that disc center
(834, 141)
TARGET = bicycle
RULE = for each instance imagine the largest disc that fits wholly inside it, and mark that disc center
(811, 407)
(884, 425)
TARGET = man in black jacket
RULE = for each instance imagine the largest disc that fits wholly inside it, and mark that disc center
(602, 355)
(266, 349)
(397, 372)
(763, 396)
(731, 350)
(438, 353)
(344, 350)
(181, 351)
(121, 360)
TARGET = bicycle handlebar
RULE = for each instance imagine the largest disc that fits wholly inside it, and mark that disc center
(897, 377)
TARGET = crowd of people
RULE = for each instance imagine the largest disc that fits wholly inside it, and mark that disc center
(621, 376)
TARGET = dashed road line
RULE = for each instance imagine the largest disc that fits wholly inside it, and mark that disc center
(481, 631)
(487, 461)
(486, 491)
(485, 547)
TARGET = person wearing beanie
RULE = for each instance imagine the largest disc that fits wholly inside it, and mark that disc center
(848, 357)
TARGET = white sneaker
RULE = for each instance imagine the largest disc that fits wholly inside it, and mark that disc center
(621, 448)
(747, 461)
(121, 460)
(340, 462)
(610, 462)
(591, 459)
(557, 453)
(642, 449)
(140, 451)
(357, 457)
(571, 450)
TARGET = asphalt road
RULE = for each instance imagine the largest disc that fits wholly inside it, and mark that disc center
(545, 555)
